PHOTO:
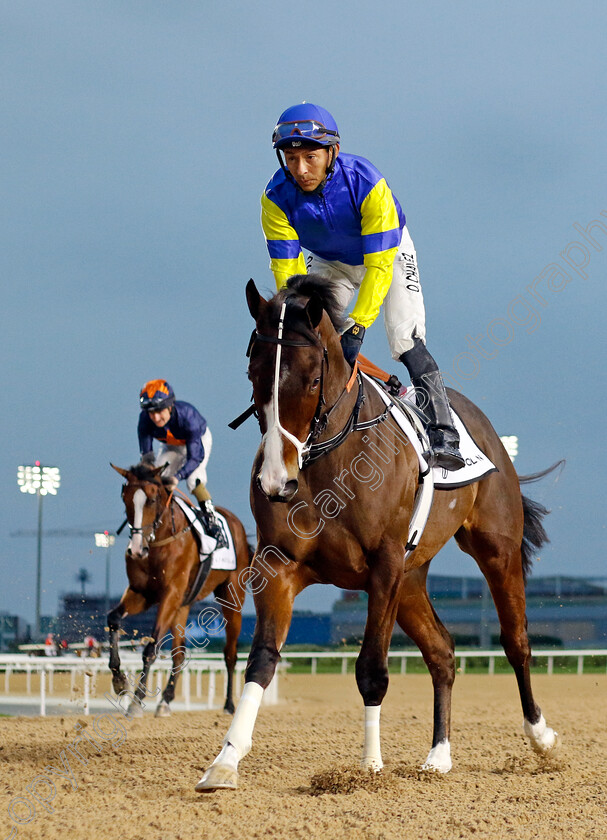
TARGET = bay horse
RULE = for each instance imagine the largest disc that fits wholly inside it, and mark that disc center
(333, 502)
(162, 560)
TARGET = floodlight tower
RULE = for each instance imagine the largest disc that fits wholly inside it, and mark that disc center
(106, 540)
(40, 481)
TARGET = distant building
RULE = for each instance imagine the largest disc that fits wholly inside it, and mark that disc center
(563, 612)
(14, 630)
(84, 615)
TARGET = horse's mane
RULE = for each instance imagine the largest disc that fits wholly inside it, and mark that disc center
(144, 472)
(314, 284)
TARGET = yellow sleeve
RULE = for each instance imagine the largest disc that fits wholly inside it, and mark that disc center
(286, 256)
(381, 235)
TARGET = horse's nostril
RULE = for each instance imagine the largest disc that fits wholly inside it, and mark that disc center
(290, 488)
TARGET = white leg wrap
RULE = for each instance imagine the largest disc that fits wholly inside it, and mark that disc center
(439, 758)
(240, 733)
(371, 759)
(542, 737)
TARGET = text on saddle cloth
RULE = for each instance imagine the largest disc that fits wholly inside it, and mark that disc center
(478, 465)
(223, 559)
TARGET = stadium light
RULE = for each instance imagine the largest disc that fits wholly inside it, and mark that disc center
(510, 445)
(106, 540)
(41, 481)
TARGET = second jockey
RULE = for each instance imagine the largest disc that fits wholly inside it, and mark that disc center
(185, 446)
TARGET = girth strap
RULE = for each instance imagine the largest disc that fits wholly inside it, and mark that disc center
(201, 575)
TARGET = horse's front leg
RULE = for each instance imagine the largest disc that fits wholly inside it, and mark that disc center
(420, 622)
(274, 607)
(131, 603)
(383, 588)
(178, 652)
(167, 609)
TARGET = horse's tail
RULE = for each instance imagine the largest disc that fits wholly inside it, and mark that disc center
(534, 533)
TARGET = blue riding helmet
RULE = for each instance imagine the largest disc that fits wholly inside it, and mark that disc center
(305, 124)
(156, 395)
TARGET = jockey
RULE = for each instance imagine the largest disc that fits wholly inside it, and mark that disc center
(340, 209)
(185, 446)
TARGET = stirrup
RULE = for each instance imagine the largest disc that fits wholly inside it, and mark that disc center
(444, 452)
(212, 526)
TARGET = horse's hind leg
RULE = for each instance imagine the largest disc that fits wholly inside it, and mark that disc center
(500, 560)
(420, 622)
(233, 620)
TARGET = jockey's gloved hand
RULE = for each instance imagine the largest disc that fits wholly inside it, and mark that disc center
(351, 342)
(170, 482)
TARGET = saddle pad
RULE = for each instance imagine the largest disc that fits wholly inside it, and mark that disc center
(477, 464)
(223, 559)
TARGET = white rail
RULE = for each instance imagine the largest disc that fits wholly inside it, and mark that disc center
(88, 669)
(212, 664)
(461, 656)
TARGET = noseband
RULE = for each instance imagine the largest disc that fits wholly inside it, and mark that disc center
(309, 451)
(151, 537)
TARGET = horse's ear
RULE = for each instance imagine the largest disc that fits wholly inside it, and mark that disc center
(254, 299)
(314, 310)
(122, 472)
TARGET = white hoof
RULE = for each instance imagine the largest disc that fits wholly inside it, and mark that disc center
(373, 764)
(542, 738)
(439, 758)
(218, 777)
(163, 709)
(135, 710)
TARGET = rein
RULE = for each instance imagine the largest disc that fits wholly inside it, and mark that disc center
(151, 538)
(308, 451)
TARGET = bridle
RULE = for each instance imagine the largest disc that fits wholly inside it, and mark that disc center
(309, 450)
(150, 537)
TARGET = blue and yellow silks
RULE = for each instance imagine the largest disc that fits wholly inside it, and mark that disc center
(356, 220)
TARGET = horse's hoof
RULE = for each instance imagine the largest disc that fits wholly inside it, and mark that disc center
(218, 777)
(439, 759)
(549, 745)
(373, 765)
(229, 709)
(163, 709)
(543, 739)
(134, 710)
(119, 684)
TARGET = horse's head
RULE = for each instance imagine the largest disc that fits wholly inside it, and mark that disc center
(144, 496)
(295, 363)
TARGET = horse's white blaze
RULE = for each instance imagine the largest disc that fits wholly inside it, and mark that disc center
(273, 473)
(136, 541)
(371, 759)
(439, 758)
(542, 737)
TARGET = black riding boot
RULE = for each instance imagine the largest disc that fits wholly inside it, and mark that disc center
(431, 397)
(211, 523)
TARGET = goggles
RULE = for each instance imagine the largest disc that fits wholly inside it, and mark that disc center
(306, 129)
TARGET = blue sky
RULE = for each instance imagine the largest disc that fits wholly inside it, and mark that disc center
(136, 143)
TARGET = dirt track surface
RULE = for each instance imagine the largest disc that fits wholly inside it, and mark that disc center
(300, 780)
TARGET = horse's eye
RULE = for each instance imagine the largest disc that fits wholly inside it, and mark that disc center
(314, 385)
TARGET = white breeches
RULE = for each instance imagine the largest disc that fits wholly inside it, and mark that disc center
(177, 456)
(404, 313)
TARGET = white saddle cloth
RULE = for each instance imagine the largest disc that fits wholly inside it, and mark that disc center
(223, 559)
(477, 463)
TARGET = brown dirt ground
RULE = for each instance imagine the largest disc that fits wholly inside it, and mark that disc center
(300, 780)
